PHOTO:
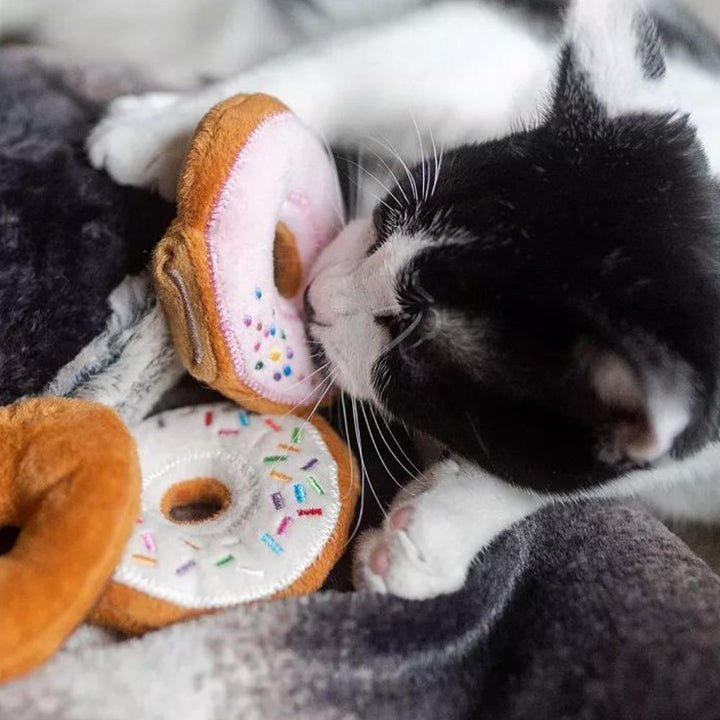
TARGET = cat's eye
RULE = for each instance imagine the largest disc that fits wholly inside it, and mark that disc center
(385, 321)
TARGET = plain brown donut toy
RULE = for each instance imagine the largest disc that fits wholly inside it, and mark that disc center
(69, 494)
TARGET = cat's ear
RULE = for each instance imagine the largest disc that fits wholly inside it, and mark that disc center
(644, 400)
(612, 62)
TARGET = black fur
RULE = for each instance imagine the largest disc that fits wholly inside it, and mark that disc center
(586, 231)
(68, 234)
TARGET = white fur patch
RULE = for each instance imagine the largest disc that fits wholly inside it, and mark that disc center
(605, 39)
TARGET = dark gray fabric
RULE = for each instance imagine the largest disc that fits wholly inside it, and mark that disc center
(588, 612)
(68, 234)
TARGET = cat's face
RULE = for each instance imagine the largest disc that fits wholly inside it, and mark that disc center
(547, 304)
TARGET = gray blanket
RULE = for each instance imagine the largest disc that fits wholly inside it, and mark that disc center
(591, 611)
(584, 612)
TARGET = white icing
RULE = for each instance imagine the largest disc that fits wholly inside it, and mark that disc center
(180, 445)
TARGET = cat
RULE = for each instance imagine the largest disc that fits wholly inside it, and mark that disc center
(540, 291)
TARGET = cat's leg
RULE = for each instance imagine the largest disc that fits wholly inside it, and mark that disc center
(436, 527)
(688, 490)
(436, 68)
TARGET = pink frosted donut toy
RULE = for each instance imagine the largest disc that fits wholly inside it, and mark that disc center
(258, 200)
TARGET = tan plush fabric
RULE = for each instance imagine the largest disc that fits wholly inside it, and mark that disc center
(69, 479)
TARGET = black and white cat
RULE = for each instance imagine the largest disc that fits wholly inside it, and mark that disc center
(542, 295)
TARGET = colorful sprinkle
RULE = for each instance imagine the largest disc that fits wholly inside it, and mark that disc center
(289, 353)
(144, 560)
(244, 419)
(317, 487)
(275, 475)
(287, 370)
(310, 511)
(272, 424)
(275, 458)
(310, 464)
(208, 418)
(275, 354)
(257, 346)
(273, 330)
(296, 437)
(266, 332)
(224, 432)
(185, 567)
(247, 321)
(284, 525)
(273, 544)
(259, 365)
(225, 560)
(277, 377)
(192, 545)
(283, 336)
(259, 327)
(299, 492)
(148, 542)
(278, 500)
(258, 293)
(289, 448)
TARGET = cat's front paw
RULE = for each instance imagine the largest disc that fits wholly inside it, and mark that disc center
(142, 141)
(418, 553)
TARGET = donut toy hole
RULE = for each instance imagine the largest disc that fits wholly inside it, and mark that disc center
(286, 262)
(8, 537)
(195, 501)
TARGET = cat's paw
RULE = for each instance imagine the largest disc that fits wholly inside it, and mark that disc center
(417, 554)
(142, 140)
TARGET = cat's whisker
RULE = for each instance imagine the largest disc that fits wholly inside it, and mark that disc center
(377, 180)
(377, 449)
(438, 162)
(392, 173)
(377, 198)
(409, 472)
(311, 393)
(407, 331)
(363, 466)
(327, 389)
(423, 168)
(415, 468)
(324, 366)
(386, 144)
(361, 509)
(476, 433)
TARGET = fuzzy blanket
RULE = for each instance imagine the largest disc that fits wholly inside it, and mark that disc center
(592, 611)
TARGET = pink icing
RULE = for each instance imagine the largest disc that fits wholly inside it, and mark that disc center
(282, 174)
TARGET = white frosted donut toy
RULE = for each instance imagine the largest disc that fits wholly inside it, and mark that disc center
(235, 507)
(258, 200)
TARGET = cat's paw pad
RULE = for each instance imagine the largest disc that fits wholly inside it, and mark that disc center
(415, 555)
(142, 141)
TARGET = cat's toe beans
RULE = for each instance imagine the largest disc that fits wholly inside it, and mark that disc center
(379, 559)
(402, 518)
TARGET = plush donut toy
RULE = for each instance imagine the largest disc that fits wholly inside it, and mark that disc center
(258, 199)
(69, 491)
(236, 507)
